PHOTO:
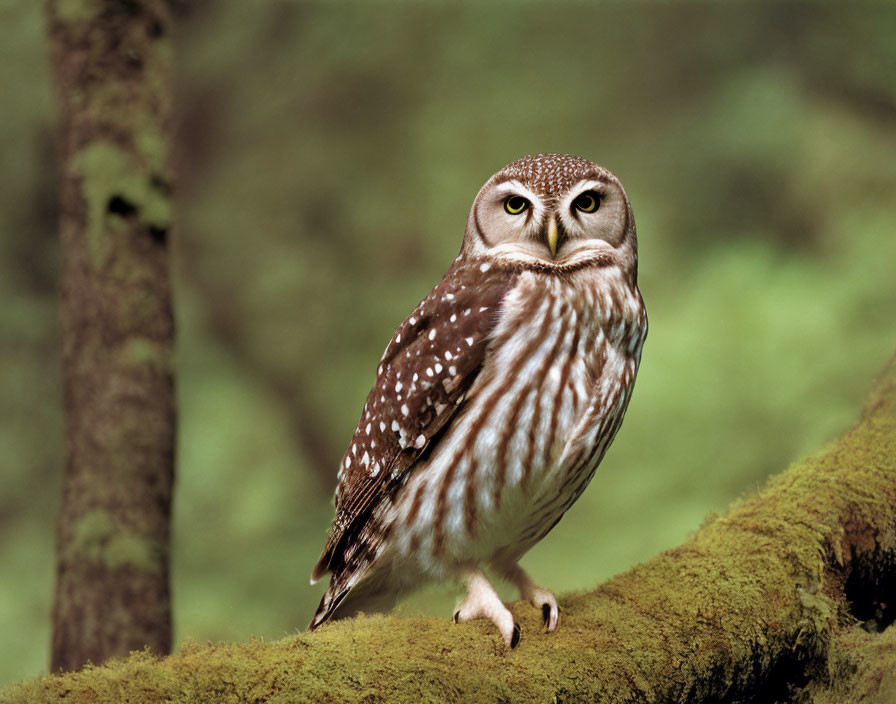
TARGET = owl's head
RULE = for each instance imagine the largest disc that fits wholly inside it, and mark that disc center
(553, 212)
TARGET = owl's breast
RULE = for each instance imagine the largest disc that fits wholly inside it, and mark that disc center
(553, 388)
(578, 405)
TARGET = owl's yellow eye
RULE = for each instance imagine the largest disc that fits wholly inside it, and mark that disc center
(515, 205)
(587, 202)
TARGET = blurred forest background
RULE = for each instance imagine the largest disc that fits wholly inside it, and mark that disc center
(328, 154)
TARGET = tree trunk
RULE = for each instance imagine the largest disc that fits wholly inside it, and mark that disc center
(788, 598)
(111, 61)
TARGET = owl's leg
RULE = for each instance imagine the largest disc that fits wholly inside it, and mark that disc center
(539, 597)
(482, 601)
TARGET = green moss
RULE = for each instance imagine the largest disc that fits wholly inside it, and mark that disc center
(152, 145)
(108, 172)
(90, 533)
(861, 669)
(135, 551)
(76, 10)
(98, 539)
(143, 353)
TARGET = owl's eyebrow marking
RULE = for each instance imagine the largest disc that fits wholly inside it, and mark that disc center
(511, 183)
(590, 184)
(519, 188)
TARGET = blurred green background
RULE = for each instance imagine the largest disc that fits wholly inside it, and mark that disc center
(327, 157)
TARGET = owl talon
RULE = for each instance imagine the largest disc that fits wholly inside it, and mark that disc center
(550, 614)
(515, 638)
(550, 610)
(482, 601)
(539, 597)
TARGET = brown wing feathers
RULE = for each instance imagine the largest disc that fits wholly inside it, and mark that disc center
(427, 368)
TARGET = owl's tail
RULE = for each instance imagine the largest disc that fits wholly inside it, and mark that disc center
(341, 601)
(329, 602)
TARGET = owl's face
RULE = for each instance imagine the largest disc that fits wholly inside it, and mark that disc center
(552, 211)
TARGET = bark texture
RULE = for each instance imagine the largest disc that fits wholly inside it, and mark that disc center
(111, 62)
(788, 598)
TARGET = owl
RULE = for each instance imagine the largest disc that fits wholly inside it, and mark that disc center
(495, 400)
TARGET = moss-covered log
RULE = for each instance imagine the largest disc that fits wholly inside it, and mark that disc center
(784, 599)
(111, 62)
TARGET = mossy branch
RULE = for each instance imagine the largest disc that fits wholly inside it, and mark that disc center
(783, 599)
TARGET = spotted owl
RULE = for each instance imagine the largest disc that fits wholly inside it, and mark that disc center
(495, 400)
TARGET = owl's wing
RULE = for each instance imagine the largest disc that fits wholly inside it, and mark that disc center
(423, 377)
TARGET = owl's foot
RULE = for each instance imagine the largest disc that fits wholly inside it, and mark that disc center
(539, 597)
(482, 601)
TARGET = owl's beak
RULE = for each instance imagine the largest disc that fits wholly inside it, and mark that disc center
(553, 235)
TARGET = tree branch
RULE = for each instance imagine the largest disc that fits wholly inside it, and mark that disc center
(782, 598)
